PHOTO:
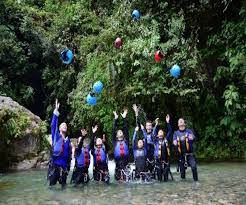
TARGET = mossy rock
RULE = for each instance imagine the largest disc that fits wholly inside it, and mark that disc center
(22, 133)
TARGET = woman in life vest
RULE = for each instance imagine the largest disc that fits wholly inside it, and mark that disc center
(149, 133)
(61, 151)
(121, 146)
(99, 150)
(162, 152)
(82, 159)
(140, 154)
(183, 141)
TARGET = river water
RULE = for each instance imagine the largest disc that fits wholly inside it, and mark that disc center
(219, 183)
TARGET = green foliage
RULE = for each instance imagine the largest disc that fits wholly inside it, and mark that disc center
(206, 38)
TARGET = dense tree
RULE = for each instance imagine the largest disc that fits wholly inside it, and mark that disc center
(206, 38)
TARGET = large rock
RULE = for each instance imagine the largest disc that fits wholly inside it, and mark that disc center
(22, 144)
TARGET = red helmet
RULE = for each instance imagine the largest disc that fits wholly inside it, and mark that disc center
(158, 56)
(118, 42)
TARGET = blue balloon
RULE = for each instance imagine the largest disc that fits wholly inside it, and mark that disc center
(91, 100)
(136, 15)
(175, 71)
(97, 87)
(67, 56)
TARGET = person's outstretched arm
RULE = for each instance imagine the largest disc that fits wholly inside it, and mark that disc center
(169, 128)
(134, 144)
(154, 131)
(54, 123)
(125, 128)
(115, 124)
(145, 138)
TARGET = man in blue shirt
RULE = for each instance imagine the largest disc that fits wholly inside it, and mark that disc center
(61, 151)
(183, 141)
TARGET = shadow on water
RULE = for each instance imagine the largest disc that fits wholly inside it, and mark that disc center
(219, 183)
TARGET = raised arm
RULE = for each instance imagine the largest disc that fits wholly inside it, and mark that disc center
(169, 128)
(125, 126)
(54, 123)
(115, 124)
(154, 131)
(145, 138)
(134, 143)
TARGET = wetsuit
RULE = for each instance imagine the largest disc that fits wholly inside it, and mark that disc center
(140, 156)
(100, 166)
(82, 163)
(121, 149)
(162, 154)
(184, 149)
(61, 154)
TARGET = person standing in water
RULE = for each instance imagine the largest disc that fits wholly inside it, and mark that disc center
(183, 141)
(149, 133)
(140, 154)
(61, 151)
(99, 150)
(121, 146)
(82, 159)
(162, 151)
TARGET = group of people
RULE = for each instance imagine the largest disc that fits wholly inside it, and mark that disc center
(151, 154)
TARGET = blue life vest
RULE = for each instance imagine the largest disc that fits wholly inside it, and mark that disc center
(83, 159)
(121, 149)
(99, 155)
(58, 147)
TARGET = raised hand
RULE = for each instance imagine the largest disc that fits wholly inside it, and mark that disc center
(124, 113)
(135, 108)
(94, 129)
(167, 118)
(136, 129)
(142, 127)
(156, 121)
(57, 105)
(116, 116)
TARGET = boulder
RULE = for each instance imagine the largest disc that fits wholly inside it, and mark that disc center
(22, 143)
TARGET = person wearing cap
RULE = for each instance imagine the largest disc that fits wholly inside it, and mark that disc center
(121, 145)
(82, 159)
(59, 165)
(99, 150)
(183, 141)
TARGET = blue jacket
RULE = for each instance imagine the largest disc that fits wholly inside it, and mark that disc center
(118, 153)
(183, 143)
(136, 151)
(100, 155)
(150, 142)
(164, 145)
(61, 148)
(82, 156)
